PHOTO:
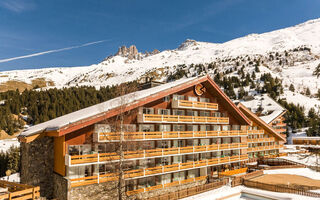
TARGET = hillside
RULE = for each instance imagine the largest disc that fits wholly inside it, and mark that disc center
(291, 54)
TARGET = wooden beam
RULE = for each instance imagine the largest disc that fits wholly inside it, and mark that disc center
(30, 138)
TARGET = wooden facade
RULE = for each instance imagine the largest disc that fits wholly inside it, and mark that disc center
(176, 136)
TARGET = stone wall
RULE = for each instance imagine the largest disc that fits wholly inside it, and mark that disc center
(103, 191)
(60, 187)
(37, 160)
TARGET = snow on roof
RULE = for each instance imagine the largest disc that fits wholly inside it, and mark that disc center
(271, 109)
(97, 109)
(306, 138)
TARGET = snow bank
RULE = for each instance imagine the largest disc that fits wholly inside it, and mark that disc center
(7, 143)
(12, 178)
(306, 172)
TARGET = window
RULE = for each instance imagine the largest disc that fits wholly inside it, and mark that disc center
(148, 111)
(192, 113)
(216, 127)
(192, 127)
(202, 99)
(205, 128)
(164, 127)
(178, 112)
(178, 127)
(178, 97)
(192, 98)
(79, 149)
(235, 127)
(146, 127)
(166, 98)
(205, 113)
(163, 111)
(217, 114)
(225, 127)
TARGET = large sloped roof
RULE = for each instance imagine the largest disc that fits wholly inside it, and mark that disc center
(271, 109)
(259, 121)
(133, 99)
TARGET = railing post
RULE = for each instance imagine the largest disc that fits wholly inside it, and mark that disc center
(98, 157)
(98, 178)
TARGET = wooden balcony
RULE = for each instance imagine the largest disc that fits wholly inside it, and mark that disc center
(194, 105)
(259, 140)
(140, 173)
(252, 132)
(280, 130)
(155, 118)
(165, 135)
(175, 183)
(262, 148)
(90, 159)
(233, 172)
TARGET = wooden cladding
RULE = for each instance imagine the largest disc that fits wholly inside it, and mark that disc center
(139, 173)
(257, 140)
(115, 136)
(105, 157)
(156, 118)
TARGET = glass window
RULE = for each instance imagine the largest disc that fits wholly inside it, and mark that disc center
(205, 128)
(146, 127)
(205, 113)
(178, 112)
(178, 97)
(235, 127)
(163, 127)
(163, 111)
(178, 128)
(148, 111)
(166, 98)
(217, 114)
(192, 113)
(192, 127)
(216, 127)
(202, 99)
(193, 98)
(225, 127)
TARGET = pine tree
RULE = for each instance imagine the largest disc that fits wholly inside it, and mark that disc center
(291, 88)
(317, 71)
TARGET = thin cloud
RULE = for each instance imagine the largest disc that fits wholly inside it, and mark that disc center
(17, 6)
(51, 51)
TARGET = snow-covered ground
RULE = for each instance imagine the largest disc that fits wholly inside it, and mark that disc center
(12, 178)
(296, 171)
(305, 159)
(236, 194)
(7, 143)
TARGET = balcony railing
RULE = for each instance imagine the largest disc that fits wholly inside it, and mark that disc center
(155, 118)
(174, 183)
(115, 136)
(250, 132)
(233, 172)
(280, 130)
(140, 173)
(262, 148)
(194, 105)
(90, 159)
(257, 140)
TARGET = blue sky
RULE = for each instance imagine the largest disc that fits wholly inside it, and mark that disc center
(33, 26)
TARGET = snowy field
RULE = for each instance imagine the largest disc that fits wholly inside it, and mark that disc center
(7, 143)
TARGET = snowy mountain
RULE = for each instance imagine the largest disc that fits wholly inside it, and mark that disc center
(290, 54)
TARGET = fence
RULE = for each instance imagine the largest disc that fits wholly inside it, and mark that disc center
(279, 188)
(238, 180)
(190, 191)
(19, 191)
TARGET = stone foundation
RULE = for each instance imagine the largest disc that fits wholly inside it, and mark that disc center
(60, 187)
(37, 160)
(103, 191)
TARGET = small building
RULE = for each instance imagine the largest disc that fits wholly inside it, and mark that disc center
(172, 136)
(306, 141)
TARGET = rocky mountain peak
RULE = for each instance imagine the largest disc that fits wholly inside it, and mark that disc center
(130, 52)
(187, 44)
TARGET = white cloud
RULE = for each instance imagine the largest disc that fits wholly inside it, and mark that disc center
(50, 51)
(17, 6)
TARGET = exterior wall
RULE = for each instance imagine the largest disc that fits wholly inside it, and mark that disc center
(37, 160)
(59, 153)
(103, 191)
(60, 187)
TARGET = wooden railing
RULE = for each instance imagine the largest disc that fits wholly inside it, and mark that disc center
(114, 136)
(174, 183)
(250, 132)
(138, 173)
(194, 105)
(233, 172)
(279, 188)
(106, 157)
(19, 191)
(256, 140)
(183, 193)
(183, 119)
(280, 130)
(262, 148)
